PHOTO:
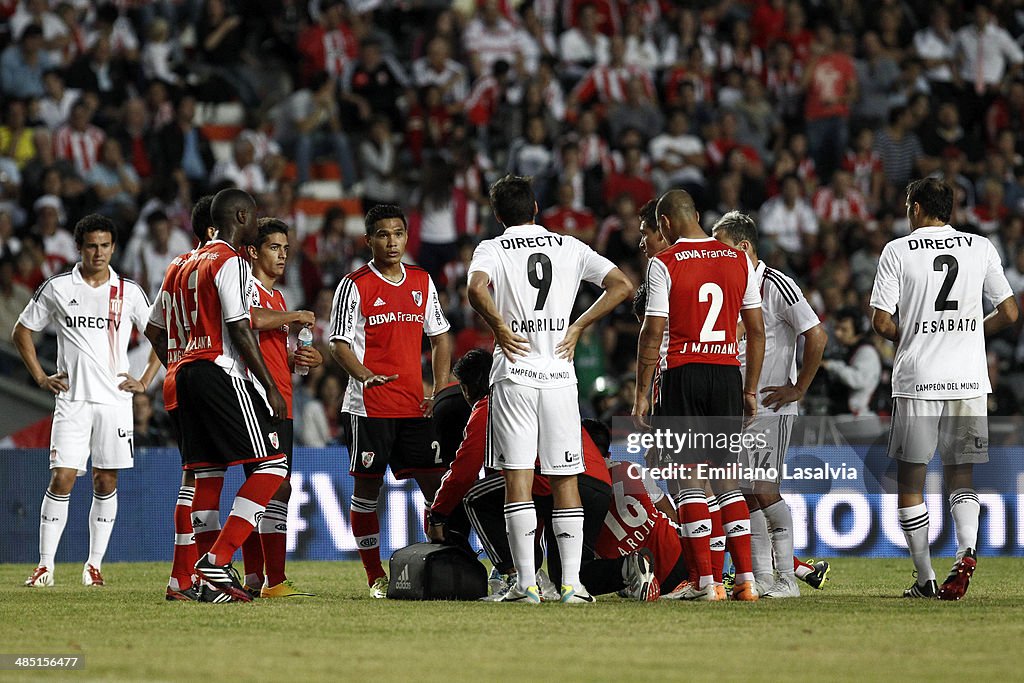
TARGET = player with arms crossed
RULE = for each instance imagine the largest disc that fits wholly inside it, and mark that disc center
(272, 319)
(787, 316)
(224, 420)
(698, 288)
(534, 405)
(93, 309)
(378, 319)
(167, 333)
(936, 279)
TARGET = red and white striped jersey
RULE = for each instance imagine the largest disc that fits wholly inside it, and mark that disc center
(215, 288)
(82, 148)
(863, 166)
(274, 344)
(701, 285)
(384, 323)
(492, 44)
(609, 84)
(829, 207)
(166, 315)
(93, 327)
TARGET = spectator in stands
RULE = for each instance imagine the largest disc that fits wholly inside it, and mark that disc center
(564, 217)
(865, 164)
(840, 201)
(23, 64)
(489, 38)
(437, 68)
(790, 221)
(900, 150)
(631, 180)
(531, 155)
(936, 46)
(222, 50)
(115, 183)
(379, 159)
(14, 296)
(17, 139)
(877, 76)
(180, 144)
(153, 252)
(641, 50)
(57, 243)
(54, 108)
(946, 132)
(638, 112)
(582, 46)
(435, 202)
(161, 57)
(79, 141)
(984, 51)
(320, 417)
(374, 84)
(617, 235)
(758, 124)
(678, 157)
(240, 169)
(97, 71)
(831, 86)
(586, 185)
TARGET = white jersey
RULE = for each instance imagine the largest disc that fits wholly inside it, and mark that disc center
(936, 278)
(536, 275)
(94, 325)
(787, 315)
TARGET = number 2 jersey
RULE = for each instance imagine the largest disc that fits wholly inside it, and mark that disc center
(384, 322)
(701, 285)
(935, 280)
(536, 275)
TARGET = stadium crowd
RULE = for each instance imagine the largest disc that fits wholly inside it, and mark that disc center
(810, 116)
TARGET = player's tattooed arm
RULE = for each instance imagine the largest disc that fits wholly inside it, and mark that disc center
(648, 356)
(483, 303)
(245, 341)
(342, 352)
(885, 325)
(1005, 314)
(22, 338)
(269, 319)
(617, 288)
(158, 340)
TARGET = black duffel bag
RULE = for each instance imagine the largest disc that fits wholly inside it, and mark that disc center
(435, 571)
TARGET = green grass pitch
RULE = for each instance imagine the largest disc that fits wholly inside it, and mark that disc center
(855, 629)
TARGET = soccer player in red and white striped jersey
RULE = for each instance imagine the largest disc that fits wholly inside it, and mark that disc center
(166, 332)
(270, 316)
(701, 286)
(378, 319)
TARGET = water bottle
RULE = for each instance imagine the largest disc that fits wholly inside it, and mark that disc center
(305, 341)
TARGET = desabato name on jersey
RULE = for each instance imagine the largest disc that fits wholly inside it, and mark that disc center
(91, 322)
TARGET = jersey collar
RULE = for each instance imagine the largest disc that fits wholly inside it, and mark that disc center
(260, 285)
(219, 241)
(381, 275)
(760, 270)
(932, 228)
(76, 276)
(690, 240)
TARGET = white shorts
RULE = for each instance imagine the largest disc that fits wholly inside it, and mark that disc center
(772, 433)
(525, 425)
(81, 429)
(958, 428)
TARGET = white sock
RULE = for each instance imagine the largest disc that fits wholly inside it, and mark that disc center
(101, 524)
(760, 544)
(567, 524)
(53, 515)
(966, 510)
(914, 522)
(780, 526)
(521, 526)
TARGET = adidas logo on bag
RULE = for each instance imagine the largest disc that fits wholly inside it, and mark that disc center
(403, 582)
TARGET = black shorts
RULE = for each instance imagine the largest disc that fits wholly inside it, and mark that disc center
(407, 444)
(224, 421)
(701, 398)
(175, 422)
(286, 438)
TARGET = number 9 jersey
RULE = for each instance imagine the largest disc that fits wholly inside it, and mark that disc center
(535, 275)
(936, 278)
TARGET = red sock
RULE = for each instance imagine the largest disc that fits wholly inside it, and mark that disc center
(736, 520)
(717, 542)
(695, 519)
(366, 529)
(251, 500)
(184, 562)
(206, 509)
(252, 558)
(274, 536)
(801, 568)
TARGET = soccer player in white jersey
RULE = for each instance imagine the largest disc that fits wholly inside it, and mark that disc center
(934, 281)
(787, 316)
(93, 310)
(535, 275)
